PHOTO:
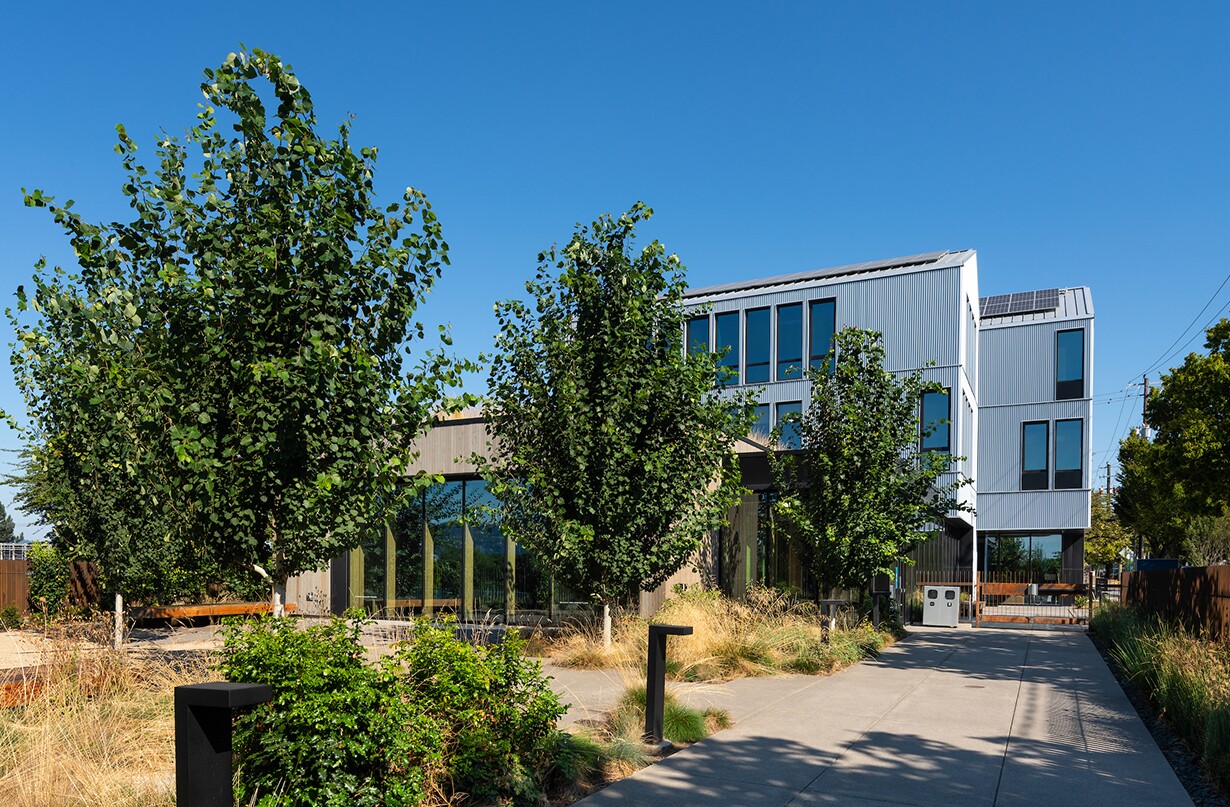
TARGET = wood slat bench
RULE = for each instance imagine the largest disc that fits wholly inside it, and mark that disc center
(214, 611)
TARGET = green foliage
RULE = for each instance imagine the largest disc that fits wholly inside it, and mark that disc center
(10, 617)
(439, 715)
(8, 529)
(1106, 537)
(680, 723)
(1206, 539)
(48, 577)
(224, 380)
(1187, 676)
(859, 494)
(616, 455)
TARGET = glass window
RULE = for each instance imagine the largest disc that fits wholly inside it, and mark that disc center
(934, 422)
(483, 519)
(698, 334)
(728, 340)
(444, 508)
(790, 431)
(1069, 364)
(407, 528)
(822, 317)
(761, 426)
(1069, 452)
(789, 341)
(757, 371)
(1034, 469)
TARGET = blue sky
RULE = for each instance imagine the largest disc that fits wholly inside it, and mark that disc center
(1069, 143)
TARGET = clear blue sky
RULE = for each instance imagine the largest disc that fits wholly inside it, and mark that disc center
(1069, 143)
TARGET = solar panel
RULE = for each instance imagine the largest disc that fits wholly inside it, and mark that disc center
(1021, 302)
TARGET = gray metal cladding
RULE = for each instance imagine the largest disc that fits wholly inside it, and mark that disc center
(1035, 510)
(999, 441)
(1017, 364)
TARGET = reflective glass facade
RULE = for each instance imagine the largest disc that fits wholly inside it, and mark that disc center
(757, 329)
(822, 324)
(1034, 449)
(789, 341)
(1069, 364)
(934, 422)
(1069, 453)
(728, 340)
(790, 431)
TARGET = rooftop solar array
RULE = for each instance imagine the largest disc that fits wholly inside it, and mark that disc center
(1026, 302)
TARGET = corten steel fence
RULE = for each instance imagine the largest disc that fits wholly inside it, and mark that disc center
(83, 584)
(1059, 598)
(1197, 598)
(15, 585)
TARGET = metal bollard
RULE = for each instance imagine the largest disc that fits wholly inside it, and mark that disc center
(204, 714)
(655, 678)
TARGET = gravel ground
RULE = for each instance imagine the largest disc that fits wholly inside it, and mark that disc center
(1187, 765)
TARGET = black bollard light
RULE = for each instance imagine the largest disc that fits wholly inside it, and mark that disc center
(204, 715)
(655, 678)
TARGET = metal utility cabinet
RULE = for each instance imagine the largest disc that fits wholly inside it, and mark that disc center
(941, 606)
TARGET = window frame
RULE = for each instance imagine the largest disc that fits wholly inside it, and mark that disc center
(767, 364)
(793, 365)
(814, 360)
(1070, 478)
(728, 366)
(1070, 389)
(797, 442)
(1036, 479)
(922, 410)
(687, 334)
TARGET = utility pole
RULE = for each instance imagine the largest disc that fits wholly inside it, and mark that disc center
(1108, 479)
(1144, 408)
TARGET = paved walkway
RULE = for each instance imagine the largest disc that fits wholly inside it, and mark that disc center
(987, 717)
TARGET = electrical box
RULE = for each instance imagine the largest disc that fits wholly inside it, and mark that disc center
(941, 606)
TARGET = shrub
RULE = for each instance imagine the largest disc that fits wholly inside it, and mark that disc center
(439, 719)
(48, 576)
(10, 617)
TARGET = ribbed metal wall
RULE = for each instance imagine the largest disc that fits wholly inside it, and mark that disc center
(1017, 363)
(1034, 510)
(999, 443)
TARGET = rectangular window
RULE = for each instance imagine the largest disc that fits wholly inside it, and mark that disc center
(822, 321)
(934, 422)
(1034, 449)
(698, 334)
(1069, 364)
(789, 341)
(761, 426)
(757, 334)
(1069, 454)
(728, 340)
(790, 431)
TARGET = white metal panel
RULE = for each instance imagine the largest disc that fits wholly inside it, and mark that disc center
(1039, 511)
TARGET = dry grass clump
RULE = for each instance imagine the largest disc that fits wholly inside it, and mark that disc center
(99, 728)
(1187, 676)
(766, 633)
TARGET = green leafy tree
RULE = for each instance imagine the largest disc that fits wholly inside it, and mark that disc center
(1189, 415)
(859, 494)
(224, 382)
(8, 529)
(615, 450)
(1148, 501)
(1206, 540)
(1106, 537)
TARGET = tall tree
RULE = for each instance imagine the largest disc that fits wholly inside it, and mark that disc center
(615, 452)
(223, 383)
(859, 493)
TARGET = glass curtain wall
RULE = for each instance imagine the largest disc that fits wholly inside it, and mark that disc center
(472, 568)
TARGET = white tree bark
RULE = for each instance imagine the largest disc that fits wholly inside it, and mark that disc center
(606, 626)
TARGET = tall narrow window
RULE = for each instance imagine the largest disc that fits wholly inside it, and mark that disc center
(1069, 364)
(698, 334)
(1034, 450)
(728, 340)
(757, 331)
(934, 422)
(1069, 453)
(789, 341)
(822, 321)
(790, 430)
(761, 426)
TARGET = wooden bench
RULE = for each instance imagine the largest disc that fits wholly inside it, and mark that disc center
(214, 611)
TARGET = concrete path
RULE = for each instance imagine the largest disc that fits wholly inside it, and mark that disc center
(945, 717)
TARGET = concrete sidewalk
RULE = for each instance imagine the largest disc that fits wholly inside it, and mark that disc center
(945, 717)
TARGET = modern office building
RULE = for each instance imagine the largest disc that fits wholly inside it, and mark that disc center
(1017, 377)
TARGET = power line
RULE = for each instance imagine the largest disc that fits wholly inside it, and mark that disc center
(1115, 434)
(1166, 353)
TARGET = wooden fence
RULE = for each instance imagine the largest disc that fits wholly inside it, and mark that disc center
(1198, 598)
(83, 585)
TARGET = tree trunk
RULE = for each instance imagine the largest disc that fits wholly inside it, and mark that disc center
(606, 626)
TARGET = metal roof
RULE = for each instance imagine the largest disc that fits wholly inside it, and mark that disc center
(924, 262)
(1010, 309)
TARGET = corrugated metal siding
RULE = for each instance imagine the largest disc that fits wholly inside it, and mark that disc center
(1040, 511)
(1017, 364)
(446, 442)
(999, 441)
